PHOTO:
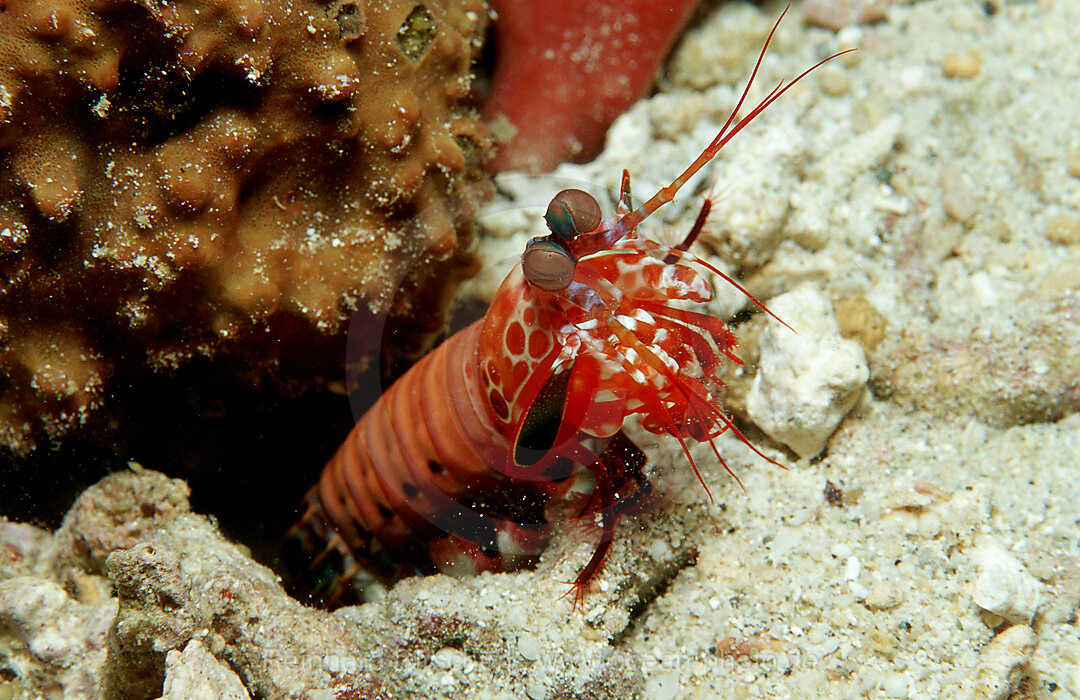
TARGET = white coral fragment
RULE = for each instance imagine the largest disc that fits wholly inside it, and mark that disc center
(195, 673)
(806, 381)
(1004, 587)
(1003, 662)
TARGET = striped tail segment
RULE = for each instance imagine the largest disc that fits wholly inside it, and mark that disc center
(410, 490)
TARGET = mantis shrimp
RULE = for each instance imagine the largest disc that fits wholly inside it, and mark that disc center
(515, 423)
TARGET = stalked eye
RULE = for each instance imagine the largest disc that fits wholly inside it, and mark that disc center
(572, 212)
(548, 265)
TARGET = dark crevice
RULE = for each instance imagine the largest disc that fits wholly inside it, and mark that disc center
(416, 33)
(654, 587)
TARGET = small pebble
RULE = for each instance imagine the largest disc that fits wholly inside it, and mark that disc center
(860, 321)
(882, 596)
(841, 550)
(196, 673)
(663, 686)
(1002, 664)
(659, 550)
(835, 82)
(894, 685)
(448, 657)
(840, 14)
(536, 690)
(1004, 587)
(957, 196)
(529, 647)
(962, 65)
(1072, 161)
(852, 568)
(1064, 229)
(807, 381)
(828, 648)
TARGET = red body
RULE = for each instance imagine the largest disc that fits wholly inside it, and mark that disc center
(430, 477)
(398, 492)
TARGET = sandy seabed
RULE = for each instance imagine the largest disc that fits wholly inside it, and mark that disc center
(933, 177)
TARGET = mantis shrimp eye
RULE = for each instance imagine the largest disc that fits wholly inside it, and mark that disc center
(572, 212)
(548, 265)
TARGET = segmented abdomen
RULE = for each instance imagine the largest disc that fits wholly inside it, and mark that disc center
(416, 485)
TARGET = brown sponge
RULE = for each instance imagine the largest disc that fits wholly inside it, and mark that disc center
(197, 177)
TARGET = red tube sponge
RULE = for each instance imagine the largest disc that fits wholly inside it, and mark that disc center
(566, 68)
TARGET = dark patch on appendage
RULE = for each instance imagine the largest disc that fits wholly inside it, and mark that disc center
(542, 422)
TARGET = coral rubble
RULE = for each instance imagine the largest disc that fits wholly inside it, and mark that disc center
(1017, 370)
(189, 178)
(180, 610)
(807, 380)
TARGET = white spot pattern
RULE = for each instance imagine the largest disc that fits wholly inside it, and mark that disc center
(589, 313)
